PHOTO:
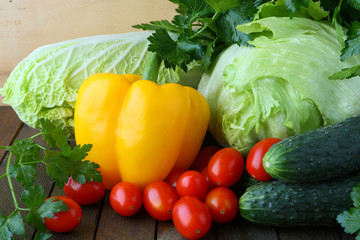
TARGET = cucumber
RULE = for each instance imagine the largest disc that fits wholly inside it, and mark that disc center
(281, 203)
(320, 154)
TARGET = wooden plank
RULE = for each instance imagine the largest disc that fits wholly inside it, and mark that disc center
(7, 205)
(345, 236)
(113, 226)
(87, 228)
(167, 231)
(10, 126)
(308, 233)
(241, 229)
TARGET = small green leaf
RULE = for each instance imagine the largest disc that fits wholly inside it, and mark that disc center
(25, 174)
(294, 6)
(10, 225)
(33, 197)
(54, 136)
(346, 73)
(25, 150)
(355, 195)
(352, 43)
(51, 206)
(155, 25)
(350, 220)
(57, 167)
(42, 236)
(224, 5)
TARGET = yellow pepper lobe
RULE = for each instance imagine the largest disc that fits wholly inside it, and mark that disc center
(139, 130)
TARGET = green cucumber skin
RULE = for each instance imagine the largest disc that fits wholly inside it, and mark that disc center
(280, 203)
(321, 154)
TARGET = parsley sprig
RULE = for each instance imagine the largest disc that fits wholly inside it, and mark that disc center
(203, 28)
(61, 162)
(350, 219)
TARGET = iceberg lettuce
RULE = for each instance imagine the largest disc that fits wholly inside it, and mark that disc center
(45, 84)
(280, 86)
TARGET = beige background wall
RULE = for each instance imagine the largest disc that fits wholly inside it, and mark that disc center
(28, 24)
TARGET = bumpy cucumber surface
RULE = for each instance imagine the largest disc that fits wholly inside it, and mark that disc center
(280, 203)
(321, 154)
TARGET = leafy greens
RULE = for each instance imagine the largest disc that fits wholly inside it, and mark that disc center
(210, 26)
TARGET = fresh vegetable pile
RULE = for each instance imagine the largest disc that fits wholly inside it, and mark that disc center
(276, 82)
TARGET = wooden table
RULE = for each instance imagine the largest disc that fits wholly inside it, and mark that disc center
(100, 222)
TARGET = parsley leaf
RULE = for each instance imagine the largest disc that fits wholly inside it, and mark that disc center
(34, 198)
(10, 225)
(350, 219)
(178, 52)
(346, 73)
(294, 6)
(352, 43)
(54, 136)
(224, 5)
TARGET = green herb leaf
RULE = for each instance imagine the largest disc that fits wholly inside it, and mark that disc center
(25, 174)
(54, 136)
(42, 236)
(346, 73)
(174, 53)
(226, 24)
(350, 219)
(57, 167)
(25, 150)
(224, 5)
(352, 43)
(156, 25)
(33, 197)
(10, 225)
(47, 209)
(294, 6)
(60, 166)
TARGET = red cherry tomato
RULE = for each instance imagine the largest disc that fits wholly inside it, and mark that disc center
(159, 198)
(64, 221)
(204, 172)
(192, 183)
(174, 176)
(254, 163)
(203, 157)
(191, 217)
(223, 204)
(226, 167)
(125, 199)
(84, 194)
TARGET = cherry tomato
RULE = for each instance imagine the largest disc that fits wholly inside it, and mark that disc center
(203, 157)
(192, 183)
(191, 217)
(174, 176)
(226, 167)
(223, 204)
(125, 199)
(64, 221)
(159, 198)
(254, 163)
(204, 172)
(84, 194)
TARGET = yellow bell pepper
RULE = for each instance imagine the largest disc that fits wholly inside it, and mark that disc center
(139, 130)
